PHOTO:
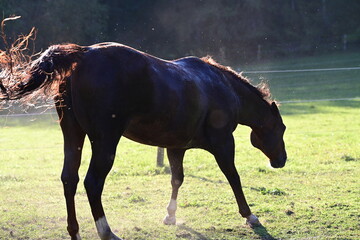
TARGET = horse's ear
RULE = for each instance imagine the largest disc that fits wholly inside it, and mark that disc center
(274, 108)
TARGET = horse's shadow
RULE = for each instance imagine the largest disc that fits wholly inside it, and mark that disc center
(263, 233)
(198, 235)
(260, 230)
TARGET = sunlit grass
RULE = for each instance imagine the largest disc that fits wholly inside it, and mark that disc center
(315, 195)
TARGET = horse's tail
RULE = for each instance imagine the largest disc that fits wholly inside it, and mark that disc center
(56, 63)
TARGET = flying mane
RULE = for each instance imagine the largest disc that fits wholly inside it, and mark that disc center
(262, 89)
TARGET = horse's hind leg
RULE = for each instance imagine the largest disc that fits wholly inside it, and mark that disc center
(73, 143)
(175, 157)
(224, 154)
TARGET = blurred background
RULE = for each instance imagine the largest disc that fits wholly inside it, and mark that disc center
(235, 32)
(305, 50)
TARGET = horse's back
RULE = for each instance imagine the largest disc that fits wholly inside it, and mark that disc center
(162, 102)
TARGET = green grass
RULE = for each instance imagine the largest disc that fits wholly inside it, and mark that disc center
(315, 196)
(294, 86)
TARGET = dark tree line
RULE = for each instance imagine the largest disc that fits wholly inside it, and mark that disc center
(230, 30)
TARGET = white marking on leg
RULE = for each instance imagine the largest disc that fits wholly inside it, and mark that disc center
(78, 236)
(104, 230)
(252, 220)
(102, 227)
(170, 218)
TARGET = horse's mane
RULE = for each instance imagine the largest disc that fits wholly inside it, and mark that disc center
(262, 89)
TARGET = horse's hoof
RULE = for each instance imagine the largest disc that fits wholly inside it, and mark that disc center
(114, 237)
(169, 220)
(252, 221)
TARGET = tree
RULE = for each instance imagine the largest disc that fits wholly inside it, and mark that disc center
(230, 30)
(60, 21)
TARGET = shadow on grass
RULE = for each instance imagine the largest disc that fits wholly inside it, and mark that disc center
(262, 232)
(206, 179)
(189, 233)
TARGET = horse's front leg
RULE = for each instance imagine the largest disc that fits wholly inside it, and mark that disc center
(175, 157)
(73, 143)
(223, 150)
(103, 154)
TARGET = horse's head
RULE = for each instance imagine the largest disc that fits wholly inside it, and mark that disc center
(269, 138)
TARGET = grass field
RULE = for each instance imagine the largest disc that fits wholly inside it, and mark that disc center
(293, 86)
(315, 196)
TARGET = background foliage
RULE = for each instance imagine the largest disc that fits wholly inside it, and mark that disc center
(230, 30)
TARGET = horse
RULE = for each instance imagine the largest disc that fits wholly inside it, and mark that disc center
(109, 90)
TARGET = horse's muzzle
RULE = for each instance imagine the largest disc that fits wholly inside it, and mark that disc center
(279, 162)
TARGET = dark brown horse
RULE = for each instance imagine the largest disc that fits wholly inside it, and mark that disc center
(110, 90)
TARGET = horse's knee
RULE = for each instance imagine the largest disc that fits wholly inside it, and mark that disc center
(177, 178)
(67, 178)
(69, 182)
(69, 175)
(177, 182)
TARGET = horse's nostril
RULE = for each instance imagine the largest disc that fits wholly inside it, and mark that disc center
(278, 163)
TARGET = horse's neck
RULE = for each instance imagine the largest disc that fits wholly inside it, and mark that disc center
(254, 111)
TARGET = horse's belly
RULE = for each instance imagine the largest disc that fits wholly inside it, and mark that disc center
(161, 133)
